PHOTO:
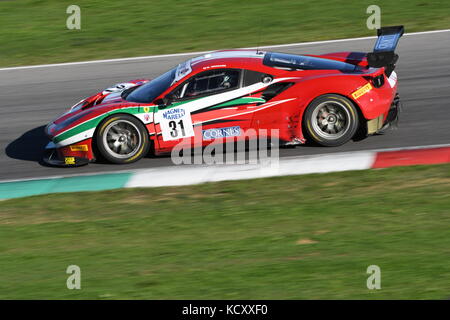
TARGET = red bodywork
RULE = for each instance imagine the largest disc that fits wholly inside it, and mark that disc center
(286, 117)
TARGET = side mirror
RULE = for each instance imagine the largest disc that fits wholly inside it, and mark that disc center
(164, 102)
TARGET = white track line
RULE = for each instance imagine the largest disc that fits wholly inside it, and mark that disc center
(203, 52)
(183, 175)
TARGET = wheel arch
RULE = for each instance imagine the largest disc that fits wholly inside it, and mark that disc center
(95, 150)
(343, 85)
(306, 104)
(360, 129)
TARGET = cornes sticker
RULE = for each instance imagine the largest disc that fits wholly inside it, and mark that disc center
(211, 134)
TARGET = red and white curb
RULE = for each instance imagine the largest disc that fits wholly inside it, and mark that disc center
(411, 157)
(196, 174)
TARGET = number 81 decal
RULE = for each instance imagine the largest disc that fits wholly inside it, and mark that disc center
(176, 123)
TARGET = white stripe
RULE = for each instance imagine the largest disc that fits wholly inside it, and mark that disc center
(100, 115)
(76, 138)
(201, 103)
(90, 132)
(203, 52)
(187, 175)
(268, 105)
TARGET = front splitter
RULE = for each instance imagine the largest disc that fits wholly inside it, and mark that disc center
(51, 158)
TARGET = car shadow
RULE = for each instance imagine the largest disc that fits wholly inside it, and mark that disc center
(29, 146)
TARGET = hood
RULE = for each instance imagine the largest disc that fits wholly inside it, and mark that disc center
(109, 97)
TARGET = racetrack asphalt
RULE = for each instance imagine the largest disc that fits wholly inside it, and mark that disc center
(30, 98)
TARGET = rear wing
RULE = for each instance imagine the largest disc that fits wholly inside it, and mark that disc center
(383, 54)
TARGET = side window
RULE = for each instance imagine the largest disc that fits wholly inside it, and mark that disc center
(209, 82)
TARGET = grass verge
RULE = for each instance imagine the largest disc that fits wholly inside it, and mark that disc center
(34, 31)
(299, 237)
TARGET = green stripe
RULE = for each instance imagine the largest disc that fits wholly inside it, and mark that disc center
(239, 101)
(9, 190)
(94, 122)
(90, 124)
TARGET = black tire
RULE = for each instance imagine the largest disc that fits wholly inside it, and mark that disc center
(122, 139)
(330, 120)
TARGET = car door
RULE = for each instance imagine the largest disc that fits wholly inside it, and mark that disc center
(210, 105)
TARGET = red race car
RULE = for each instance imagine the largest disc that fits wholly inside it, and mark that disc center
(224, 95)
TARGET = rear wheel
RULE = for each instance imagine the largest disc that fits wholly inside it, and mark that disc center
(122, 139)
(331, 120)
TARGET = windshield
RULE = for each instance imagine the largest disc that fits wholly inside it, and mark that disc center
(292, 61)
(149, 91)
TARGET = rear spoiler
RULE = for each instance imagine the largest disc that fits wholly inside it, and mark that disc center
(383, 54)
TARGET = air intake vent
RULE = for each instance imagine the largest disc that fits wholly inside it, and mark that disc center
(275, 89)
(378, 81)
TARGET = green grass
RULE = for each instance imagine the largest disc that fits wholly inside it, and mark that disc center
(299, 237)
(34, 31)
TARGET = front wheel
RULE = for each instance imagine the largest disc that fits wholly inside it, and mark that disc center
(331, 120)
(122, 139)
